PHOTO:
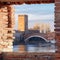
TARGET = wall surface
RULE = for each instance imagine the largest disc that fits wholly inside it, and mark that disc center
(26, 1)
(6, 28)
(57, 28)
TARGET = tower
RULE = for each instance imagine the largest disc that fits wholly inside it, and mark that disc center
(22, 22)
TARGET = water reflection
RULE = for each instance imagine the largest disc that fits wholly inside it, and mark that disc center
(32, 48)
(35, 48)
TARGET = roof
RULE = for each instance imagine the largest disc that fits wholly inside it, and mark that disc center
(26, 1)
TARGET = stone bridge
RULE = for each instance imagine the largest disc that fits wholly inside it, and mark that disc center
(42, 35)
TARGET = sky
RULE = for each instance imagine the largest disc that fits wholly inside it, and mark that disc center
(37, 13)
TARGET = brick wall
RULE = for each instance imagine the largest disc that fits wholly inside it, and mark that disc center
(6, 28)
(57, 28)
(28, 56)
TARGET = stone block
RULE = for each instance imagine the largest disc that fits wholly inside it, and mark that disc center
(57, 1)
(57, 9)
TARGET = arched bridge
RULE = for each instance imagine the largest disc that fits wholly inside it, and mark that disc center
(36, 39)
(42, 35)
(37, 42)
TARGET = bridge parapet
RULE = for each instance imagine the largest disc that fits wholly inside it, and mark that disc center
(35, 34)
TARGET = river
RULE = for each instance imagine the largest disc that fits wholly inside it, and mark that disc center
(34, 48)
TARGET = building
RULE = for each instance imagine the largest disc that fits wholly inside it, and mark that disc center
(22, 22)
(45, 28)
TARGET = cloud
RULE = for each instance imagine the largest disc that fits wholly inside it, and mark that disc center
(40, 17)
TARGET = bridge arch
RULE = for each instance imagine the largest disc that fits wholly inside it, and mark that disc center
(36, 38)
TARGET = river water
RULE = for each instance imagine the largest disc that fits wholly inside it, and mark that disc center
(34, 48)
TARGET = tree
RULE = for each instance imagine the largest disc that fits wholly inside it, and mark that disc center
(36, 27)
